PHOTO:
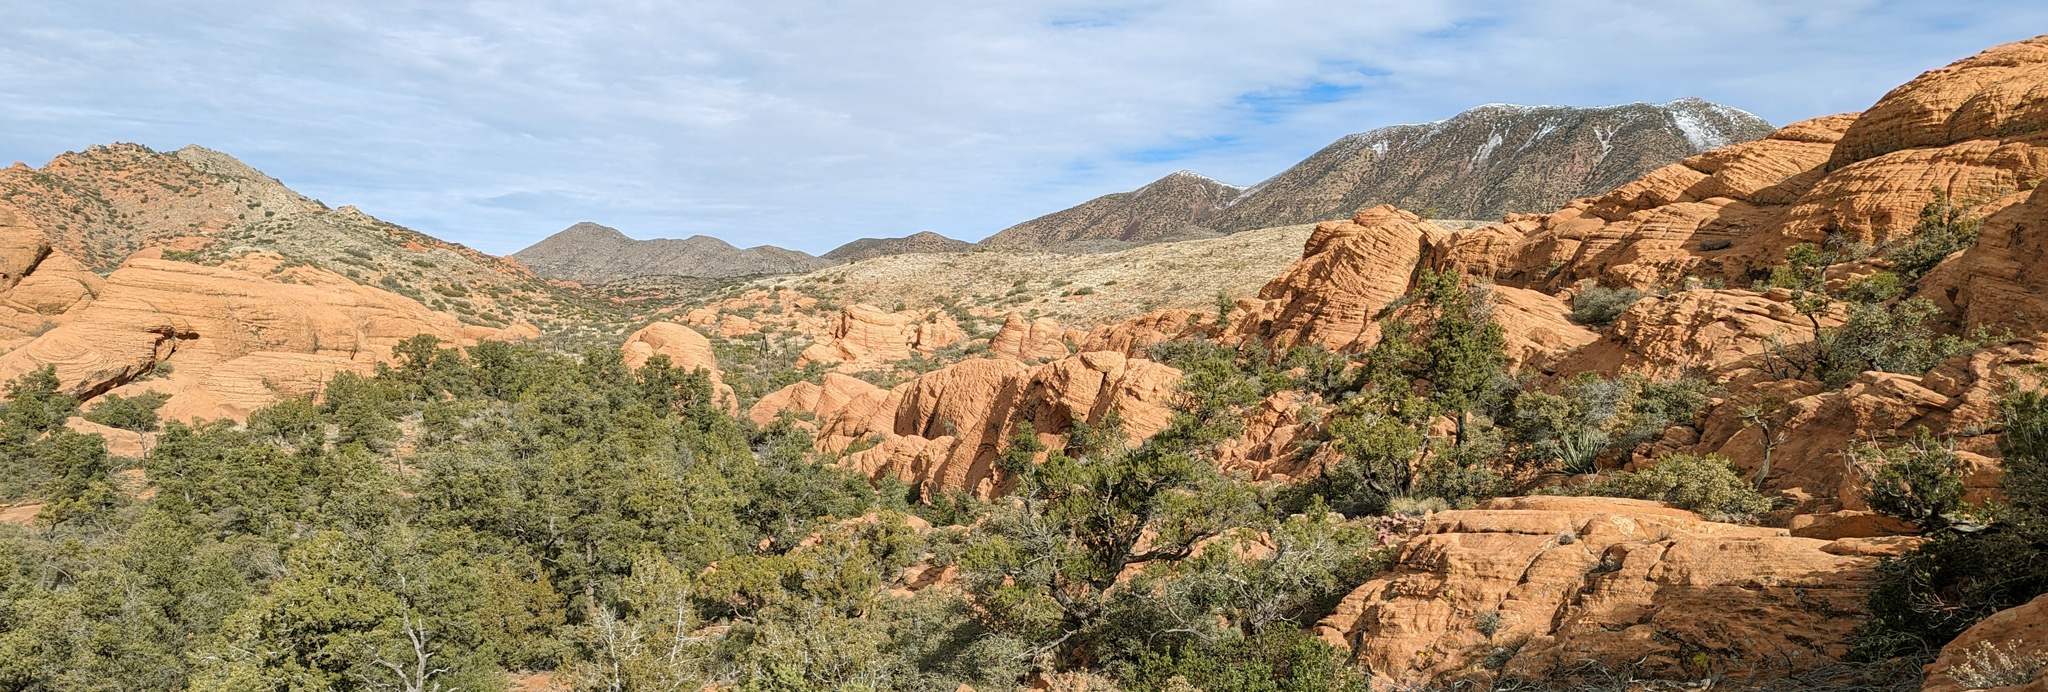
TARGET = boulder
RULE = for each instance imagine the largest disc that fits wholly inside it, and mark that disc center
(1536, 585)
(865, 337)
(686, 349)
(1995, 654)
(1028, 340)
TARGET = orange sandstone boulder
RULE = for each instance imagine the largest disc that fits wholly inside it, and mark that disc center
(1135, 337)
(1539, 584)
(2015, 634)
(1348, 272)
(864, 337)
(1022, 339)
(686, 349)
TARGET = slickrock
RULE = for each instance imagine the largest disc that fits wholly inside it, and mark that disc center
(39, 286)
(1135, 337)
(865, 337)
(1719, 334)
(1350, 273)
(1027, 340)
(1543, 583)
(686, 349)
(1996, 283)
(942, 431)
(2019, 633)
(1812, 432)
(237, 341)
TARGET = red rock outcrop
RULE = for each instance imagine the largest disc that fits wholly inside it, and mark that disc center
(39, 286)
(1544, 583)
(1718, 334)
(865, 337)
(1350, 273)
(237, 342)
(2015, 634)
(686, 349)
(942, 431)
(1027, 340)
(1135, 337)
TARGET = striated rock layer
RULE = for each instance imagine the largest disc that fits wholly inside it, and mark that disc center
(943, 431)
(1536, 585)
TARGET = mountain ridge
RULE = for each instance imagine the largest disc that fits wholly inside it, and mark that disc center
(588, 251)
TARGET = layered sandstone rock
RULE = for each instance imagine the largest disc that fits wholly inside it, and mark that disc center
(39, 286)
(1351, 274)
(1135, 337)
(1539, 584)
(2016, 634)
(865, 337)
(942, 431)
(237, 342)
(686, 349)
(1720, 334)
(1028, 340)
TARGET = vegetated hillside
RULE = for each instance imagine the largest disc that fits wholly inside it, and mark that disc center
(1076, 289)
(920, 242)
(1165, 206)
(1491, 160)
(107, 202)
(1770, 418)
(593, 253)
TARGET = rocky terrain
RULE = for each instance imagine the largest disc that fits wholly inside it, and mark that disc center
(1756, 417)
(922, 242)
(101, 205)
(590, 253)
(1161, 209)
(1492, 160)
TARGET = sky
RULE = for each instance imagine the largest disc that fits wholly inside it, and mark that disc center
(810, 123)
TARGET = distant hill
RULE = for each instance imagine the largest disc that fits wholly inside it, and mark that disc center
(595, 253)
(920, 242)
(1490, 160)
(107, 202)
(1163, 208)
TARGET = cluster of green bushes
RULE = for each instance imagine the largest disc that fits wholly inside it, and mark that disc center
(465, 513)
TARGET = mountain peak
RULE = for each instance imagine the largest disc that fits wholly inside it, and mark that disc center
(589, 251)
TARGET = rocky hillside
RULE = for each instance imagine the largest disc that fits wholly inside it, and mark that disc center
(915, 243)
(105, 203)
(1162, 208)
(1491, 160)
(592, 253)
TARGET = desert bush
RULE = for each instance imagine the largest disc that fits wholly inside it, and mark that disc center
(1920, 481)
(1946, 226)
(1989, 665)
(1707, 485)
(1598, 306)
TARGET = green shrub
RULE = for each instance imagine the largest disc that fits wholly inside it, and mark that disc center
(1598, 306)
(1920, 482)
(135, 414)
(1707, 485)
(1945, 227)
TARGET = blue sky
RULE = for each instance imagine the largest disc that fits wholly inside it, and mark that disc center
(807, 123)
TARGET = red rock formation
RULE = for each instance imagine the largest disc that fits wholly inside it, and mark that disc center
(2020, 634)
(686, 349)
(1721, 335)
(1135, 337)
(39, 286)
(1549, 582)
(942, 431)
(237, 342)
(865, 337)
(1027, 340)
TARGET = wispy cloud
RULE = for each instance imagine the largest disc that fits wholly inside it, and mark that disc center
(807, 123)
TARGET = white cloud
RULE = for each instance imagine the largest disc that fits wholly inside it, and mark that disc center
(807, 123)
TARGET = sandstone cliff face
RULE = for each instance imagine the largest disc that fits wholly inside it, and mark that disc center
(39, 286)
(942, 431)
(236, 341)
(1028, 340)
(1539, 584)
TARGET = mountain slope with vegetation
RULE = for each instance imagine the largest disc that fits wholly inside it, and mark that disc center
(1771, 417)
(593, 253)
